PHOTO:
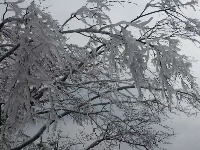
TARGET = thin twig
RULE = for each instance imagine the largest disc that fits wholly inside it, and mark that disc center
(5, 12)
(71, 17)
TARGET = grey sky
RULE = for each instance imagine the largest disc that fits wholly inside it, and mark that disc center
(187, 128)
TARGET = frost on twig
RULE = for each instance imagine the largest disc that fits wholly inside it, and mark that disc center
(121, 84)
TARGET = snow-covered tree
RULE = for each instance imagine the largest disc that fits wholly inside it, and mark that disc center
(121, 84)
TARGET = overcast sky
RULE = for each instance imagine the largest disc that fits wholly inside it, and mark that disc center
(186, 128)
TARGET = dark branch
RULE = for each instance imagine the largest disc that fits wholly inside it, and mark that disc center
(38, 134)
(95, 143)
(9, 52)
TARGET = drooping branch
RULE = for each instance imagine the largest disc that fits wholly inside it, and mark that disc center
(40, 93)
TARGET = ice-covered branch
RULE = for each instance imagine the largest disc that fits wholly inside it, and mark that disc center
(9, 52)
(89, 82)
(11, 19)
(39, 133)
(81, 64)
(88, 30)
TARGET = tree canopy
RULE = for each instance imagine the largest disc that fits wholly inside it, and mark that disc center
(122, 83)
